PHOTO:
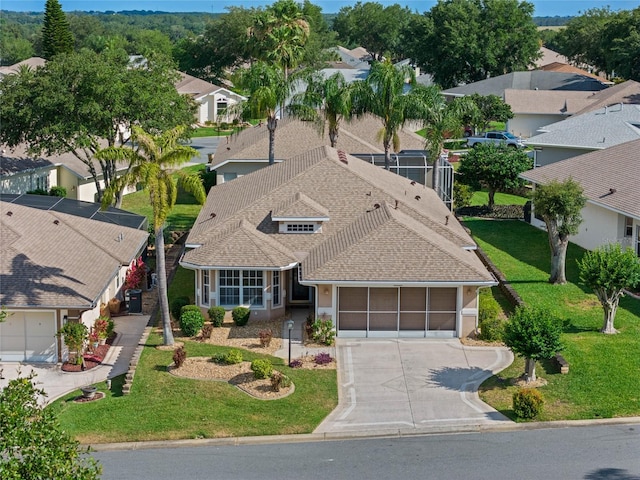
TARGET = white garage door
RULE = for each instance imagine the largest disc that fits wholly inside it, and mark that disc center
(28, 337)
(397, 312)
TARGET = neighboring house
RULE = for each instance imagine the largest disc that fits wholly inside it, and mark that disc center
(610, 179)
(33, 62)
(60, 260)
(548, 56)
(375, 252)
(595, 130)
(21, 172)
(565, 68)
(214, 103)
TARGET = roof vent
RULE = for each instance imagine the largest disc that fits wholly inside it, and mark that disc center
(396, 207)
(343, 157)
(413, 182)
(612, 191)
(212, 215)
(56, 222)
(376, 205)
(417, 197)
(9, 213)
(446, 220)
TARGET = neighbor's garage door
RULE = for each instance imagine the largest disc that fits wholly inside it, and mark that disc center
(396, 311)
(28, 337)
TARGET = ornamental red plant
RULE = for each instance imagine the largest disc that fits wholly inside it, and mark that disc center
(136, 273)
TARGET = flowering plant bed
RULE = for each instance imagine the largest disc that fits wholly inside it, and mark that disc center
(91, 359)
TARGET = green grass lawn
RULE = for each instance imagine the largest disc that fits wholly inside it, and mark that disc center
(604, 369)
(163, 407)
(482, 198)
(183, 214)
(213, 132)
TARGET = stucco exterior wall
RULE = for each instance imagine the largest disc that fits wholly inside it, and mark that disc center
(237, 168)
(547, 155)
(27, 181)
(526, 124)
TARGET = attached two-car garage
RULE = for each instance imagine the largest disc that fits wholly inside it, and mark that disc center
(28, 337)
(397, 311)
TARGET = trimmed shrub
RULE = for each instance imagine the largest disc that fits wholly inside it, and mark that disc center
(322, 359)
(216, 315)
(261, 368)
(179, 356)
(462, 195)
(176, 306)
(527, 403)
(58, 191)
(297, 363)
(207, 330)
(240, 316)
(323, 331)
(232, 357)
(279, 380)
(191, 320)
(218, 358)
(491, 326)
(491, 330)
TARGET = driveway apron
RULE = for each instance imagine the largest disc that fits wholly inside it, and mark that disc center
(412, 384)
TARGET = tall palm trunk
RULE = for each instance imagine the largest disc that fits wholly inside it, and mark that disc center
(272, 123)
(163, 298)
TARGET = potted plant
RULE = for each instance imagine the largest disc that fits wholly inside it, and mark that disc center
(89, 391)
(94, 340)
(101, 329)
(75, 334)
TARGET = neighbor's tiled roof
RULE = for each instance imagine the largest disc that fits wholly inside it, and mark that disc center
(194, 86)
(53, 259)
(550, 56)
(294, 137)
(33, 62)
(598, 172)
(565, 68)
(529, 80)
(349, 189)
(626, 92)
(597, 129)
(558, 102)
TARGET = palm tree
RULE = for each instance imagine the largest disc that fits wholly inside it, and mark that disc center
(152, 160)
(267, 87)
(441, 119)
(382, 94)
(326, 101)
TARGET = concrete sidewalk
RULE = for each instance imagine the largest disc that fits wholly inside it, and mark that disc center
(57, 383)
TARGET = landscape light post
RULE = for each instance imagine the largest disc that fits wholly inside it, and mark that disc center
(289, 327)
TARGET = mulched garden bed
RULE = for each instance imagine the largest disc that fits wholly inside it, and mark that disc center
(91, 359)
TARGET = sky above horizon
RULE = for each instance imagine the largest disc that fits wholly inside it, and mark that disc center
(543, 8)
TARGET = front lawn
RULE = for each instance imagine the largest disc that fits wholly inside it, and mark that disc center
(165, 407)
(481, 198)
(604, 369)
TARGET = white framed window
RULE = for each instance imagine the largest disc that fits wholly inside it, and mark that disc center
(300, 227)
(241, 287)
(628, 227)
(206, 286)
(275, 286)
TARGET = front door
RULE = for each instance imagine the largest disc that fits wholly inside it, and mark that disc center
(298, 293)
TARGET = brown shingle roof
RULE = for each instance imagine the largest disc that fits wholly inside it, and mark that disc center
(299, 206)
(348, 189)
(598, 172)
(626, 92)
(565, 68)
(53, 259)
(559, 102)
(294, 137)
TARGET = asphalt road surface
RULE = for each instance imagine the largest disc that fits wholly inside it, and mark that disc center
(607, 452)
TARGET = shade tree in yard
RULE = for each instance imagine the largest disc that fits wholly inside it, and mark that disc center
(608, 271)
(560, 205)
(533, 334)
(495, 167)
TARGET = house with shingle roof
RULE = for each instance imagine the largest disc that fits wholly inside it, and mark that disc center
(379, 254)
(60, 260)
(33, 62)
(595, 130)
(610, 178)
(214, 102)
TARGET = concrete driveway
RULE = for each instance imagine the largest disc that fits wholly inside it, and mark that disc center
(412, 384)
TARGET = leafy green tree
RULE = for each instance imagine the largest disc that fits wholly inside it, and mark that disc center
(327, 101)
(78, 102)
(608, 270)
(374, 27)
(267, 88)
(56, 35)
(559, 204)
(495, 167)
(490, 108)
(382, 94)
(533, 334)
(470, 40)
(153, 160)
(32, 443)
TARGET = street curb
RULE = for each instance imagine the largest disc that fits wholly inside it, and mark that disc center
(371, 434)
